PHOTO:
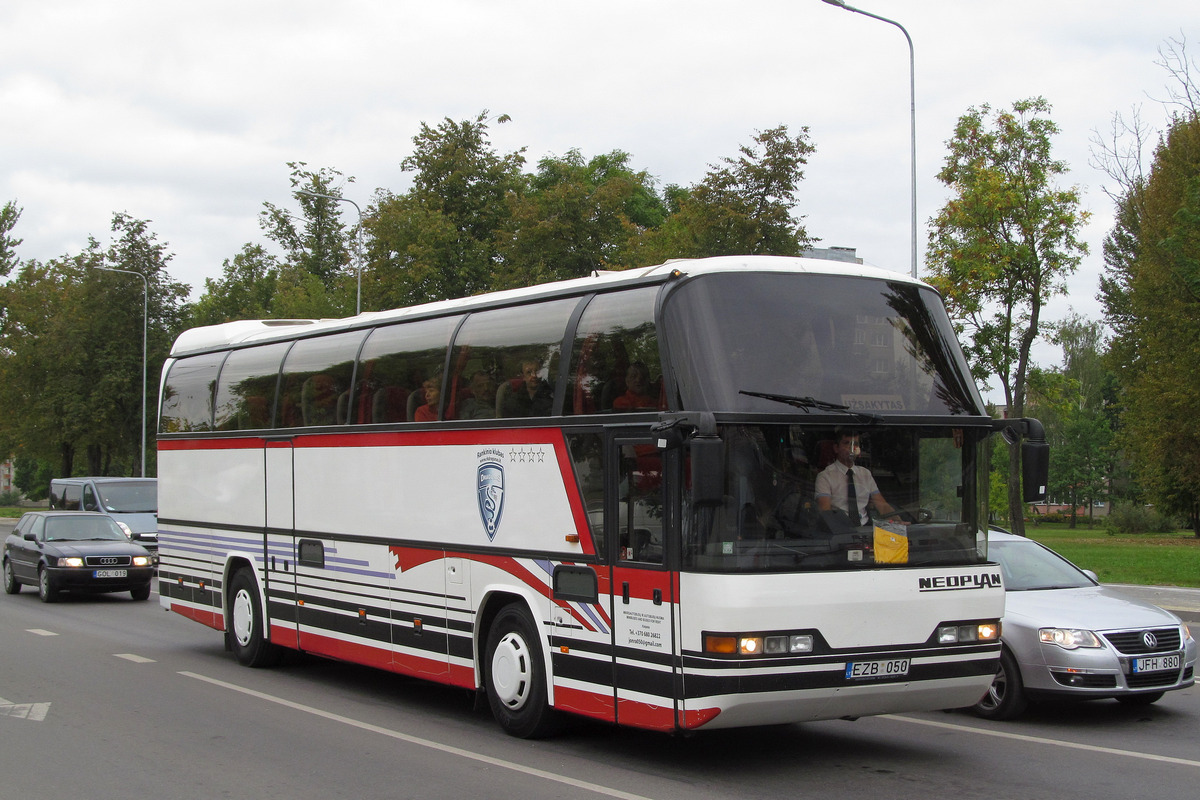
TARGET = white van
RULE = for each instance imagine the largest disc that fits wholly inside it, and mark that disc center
(132, 502)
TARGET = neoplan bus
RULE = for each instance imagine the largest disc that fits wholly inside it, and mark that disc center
(596, 496)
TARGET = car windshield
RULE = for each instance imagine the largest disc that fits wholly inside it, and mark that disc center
(79, 528)
(1026, 565)
(129, 497)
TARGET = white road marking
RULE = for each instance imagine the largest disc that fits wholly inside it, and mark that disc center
(432, 745)
(41, 632)
(32, 711)
(1021, 737)
(134, 658)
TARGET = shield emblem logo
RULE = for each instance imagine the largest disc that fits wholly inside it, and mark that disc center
(489, 489)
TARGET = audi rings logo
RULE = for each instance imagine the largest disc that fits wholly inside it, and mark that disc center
(1150, 640)
(111, 560)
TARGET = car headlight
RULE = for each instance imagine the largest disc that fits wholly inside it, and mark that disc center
(1187, 632)
(1069, 638)
(128, 531)
(70, 562)
(141, 561)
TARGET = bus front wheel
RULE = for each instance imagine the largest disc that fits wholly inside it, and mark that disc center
(250, 644)
(516, 675)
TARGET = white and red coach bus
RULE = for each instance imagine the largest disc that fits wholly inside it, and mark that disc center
(597, 496)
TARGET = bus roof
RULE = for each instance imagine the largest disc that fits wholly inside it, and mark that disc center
(228, 334)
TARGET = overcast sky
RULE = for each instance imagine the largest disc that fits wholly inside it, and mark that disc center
(186, 113)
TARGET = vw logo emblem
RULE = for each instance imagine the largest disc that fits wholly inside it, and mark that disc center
(1150, 640)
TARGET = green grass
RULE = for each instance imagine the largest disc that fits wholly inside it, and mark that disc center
(1159, 559)
(12, 511)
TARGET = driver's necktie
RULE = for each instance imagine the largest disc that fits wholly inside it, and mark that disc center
(852, 499)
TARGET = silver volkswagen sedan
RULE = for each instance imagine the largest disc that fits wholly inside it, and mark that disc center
(1066, 635)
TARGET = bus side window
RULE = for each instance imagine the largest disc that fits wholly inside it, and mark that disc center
(640, 504)
(187, 398)
(587, 456)
(616, 341)
(395, 362)
(316, 381)
(519, 349)
(246, 375)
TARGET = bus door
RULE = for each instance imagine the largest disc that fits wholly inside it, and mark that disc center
(643, 596)
(280, 553)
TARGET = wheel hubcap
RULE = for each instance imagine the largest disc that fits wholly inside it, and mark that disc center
(510, 671)
(243, 617)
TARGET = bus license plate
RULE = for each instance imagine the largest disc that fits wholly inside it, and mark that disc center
(895, 668)
(1156, 663)
(111, 573)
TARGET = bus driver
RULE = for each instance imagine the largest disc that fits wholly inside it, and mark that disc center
(845, 486)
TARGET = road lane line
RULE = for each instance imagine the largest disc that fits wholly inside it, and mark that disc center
(1021, 737)
(40, 632)
(432, 745)
(134, 658)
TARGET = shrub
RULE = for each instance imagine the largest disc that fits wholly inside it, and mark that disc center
(10, 498)
(1135, 519)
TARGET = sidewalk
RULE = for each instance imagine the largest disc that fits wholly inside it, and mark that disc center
(1183, 603)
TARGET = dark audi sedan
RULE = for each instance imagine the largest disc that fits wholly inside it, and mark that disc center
(76, 551)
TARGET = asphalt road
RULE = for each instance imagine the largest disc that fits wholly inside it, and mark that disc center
(105, 697)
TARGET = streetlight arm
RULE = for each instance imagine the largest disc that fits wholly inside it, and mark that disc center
(912, 105)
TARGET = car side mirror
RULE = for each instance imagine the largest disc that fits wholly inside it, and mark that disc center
(30, 537)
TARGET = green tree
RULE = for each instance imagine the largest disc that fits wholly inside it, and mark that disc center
(71, 339)
(9, 216)
(1003, 245)
(315, 274)
(743, 205)
(575, 217)
(245, 290)
(441, 239)
(1151, 293)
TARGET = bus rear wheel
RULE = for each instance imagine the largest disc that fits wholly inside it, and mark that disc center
(516, 675)
(247, 634)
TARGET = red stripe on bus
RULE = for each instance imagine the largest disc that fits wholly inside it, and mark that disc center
(588, 704)
(212, 619)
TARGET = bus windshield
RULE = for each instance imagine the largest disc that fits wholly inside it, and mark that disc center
(920, 504)
(875, 346)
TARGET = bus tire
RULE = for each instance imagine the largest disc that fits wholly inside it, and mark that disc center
(247, 636)
(515, 675)
(1005, 698)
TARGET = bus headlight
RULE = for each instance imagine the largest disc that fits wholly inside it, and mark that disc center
(781, 644)
(988, 631)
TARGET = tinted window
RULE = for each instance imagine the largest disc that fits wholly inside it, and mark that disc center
(396, 364)
(615, 363)
(317, 375)
(187, 399)
(518, 350)
(877, 346)
(246, 388)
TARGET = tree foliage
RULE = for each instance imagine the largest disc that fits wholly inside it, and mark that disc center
(1004, 244)
(1152, 301)
(71, 338)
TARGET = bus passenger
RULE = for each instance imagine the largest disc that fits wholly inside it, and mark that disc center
(433, 391)
(530, 395)
(637, 389)
(482, 402)
(847, 487)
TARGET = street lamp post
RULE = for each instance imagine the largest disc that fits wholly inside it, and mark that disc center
(358, 268)
(145, 325)
(912, 95)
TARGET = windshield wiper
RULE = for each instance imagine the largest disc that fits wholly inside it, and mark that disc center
(806, 404)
